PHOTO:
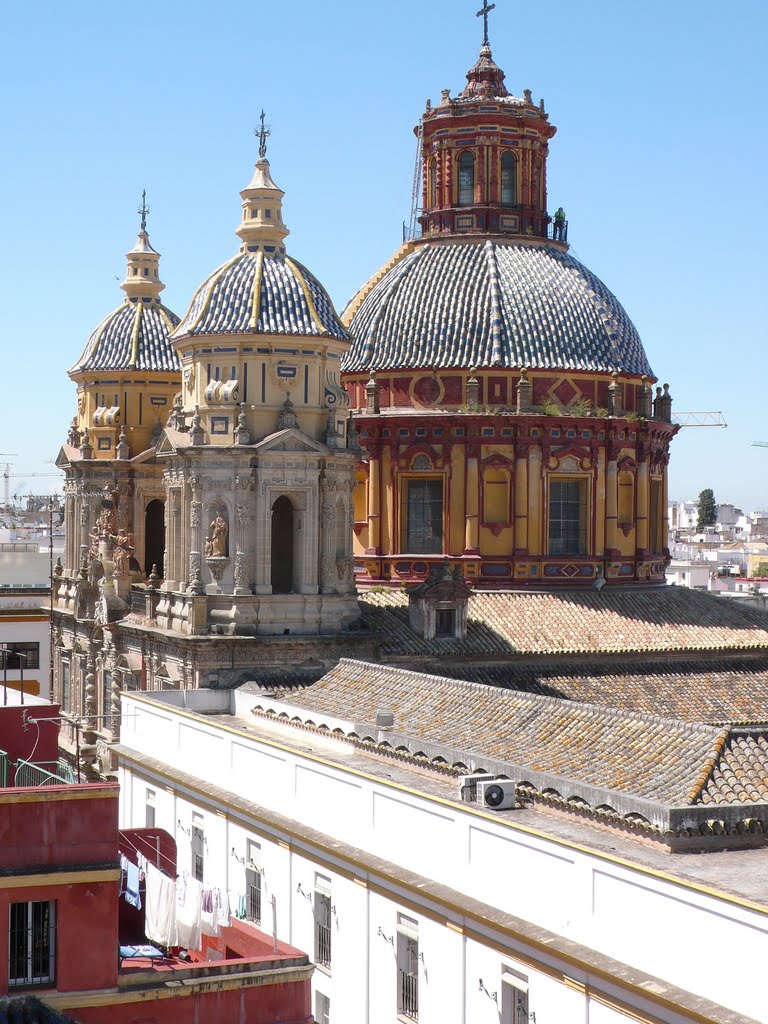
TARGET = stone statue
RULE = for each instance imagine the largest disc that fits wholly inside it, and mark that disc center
(123, 552)
(106, 523)
(218, 538)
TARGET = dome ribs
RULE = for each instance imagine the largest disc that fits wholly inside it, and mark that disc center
(493, 303)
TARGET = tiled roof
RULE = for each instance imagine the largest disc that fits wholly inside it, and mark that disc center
(492, 303)
(254, 294)
(716, 690)
(741, 774)
(646, 756)
(133, 337)
(662, 619)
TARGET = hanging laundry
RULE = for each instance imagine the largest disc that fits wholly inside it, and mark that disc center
(160, 907)
(189, 914)
(223, 917)
(211, 905)
(132, 885)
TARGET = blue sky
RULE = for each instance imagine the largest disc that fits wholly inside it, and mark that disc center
(659, 161)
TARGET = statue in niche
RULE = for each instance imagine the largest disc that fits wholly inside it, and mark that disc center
(216, 544)
(123, 552)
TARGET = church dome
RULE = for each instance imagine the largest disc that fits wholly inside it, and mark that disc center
(490, 303)
(135, 336)
(261, 290)
(261, 293)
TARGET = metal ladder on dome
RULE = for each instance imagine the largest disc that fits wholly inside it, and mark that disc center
(413, 224)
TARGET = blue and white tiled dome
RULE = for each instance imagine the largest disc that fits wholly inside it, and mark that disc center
(254, 293)
(492, 303)
(135, 336)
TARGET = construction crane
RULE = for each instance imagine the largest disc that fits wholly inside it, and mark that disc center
(699, 419)
(8, 476)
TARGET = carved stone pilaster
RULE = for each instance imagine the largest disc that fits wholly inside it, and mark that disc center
(196, 585)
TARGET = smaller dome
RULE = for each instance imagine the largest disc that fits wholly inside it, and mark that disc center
(257, 293)
(135, 336)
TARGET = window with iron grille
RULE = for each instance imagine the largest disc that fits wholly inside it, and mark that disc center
(198, 847)
(32, 943)
(323, 922)
(253, 882)
(407, 967)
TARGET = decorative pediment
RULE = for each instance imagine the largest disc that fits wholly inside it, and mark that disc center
(291, 439)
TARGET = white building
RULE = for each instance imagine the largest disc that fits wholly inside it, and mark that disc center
(25, 639)
(416, 905)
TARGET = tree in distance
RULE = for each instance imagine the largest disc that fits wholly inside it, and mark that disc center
(707, 509)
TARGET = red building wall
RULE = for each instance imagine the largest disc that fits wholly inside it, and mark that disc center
(60, 843)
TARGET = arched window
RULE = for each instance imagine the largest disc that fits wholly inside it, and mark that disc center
(432, 192)
(466, 179)
(154, 537)
(508, 179)
(282, 546)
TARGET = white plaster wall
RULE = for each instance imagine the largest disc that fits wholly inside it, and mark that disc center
(643, 919)
(30, 632)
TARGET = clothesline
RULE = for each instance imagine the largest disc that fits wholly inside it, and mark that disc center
(123, 839)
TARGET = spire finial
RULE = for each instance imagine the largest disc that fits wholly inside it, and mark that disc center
(483, 13)
(143, 210)
(262, 133)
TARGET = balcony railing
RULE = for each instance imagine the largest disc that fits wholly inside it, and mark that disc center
(48, 773)
(323, 945)
(409, 995)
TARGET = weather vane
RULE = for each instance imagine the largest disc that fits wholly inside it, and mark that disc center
(483, 13)
(143, 210)
(262, 134)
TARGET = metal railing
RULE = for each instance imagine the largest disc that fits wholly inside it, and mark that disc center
(323, 944)
(29, 774)
(409, 994)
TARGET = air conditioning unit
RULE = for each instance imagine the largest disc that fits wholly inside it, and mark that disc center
(498, 795)
(468, 786)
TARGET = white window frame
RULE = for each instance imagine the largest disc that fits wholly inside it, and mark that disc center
(407, 968)
(323, 917)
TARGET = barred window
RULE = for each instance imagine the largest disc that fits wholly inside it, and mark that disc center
(322, 907)
(407, 967)
(32, 943)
